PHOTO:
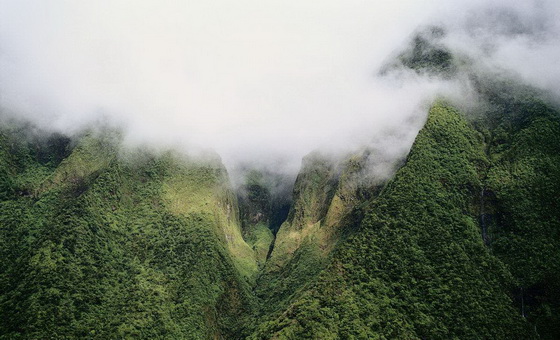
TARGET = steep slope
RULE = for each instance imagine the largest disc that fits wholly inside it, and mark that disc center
(113, 244)
(521, 207)
(418, 267)
(463, 243)
(264, 202)
(325, 208)
(518, 205)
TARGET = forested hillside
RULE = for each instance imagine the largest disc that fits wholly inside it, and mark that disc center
(103, 243)
(418, 267)
(458, 239)
(461, 243)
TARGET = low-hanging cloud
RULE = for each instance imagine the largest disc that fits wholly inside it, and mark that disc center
(257, 81)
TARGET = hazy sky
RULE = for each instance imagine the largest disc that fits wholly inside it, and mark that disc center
(252, 79)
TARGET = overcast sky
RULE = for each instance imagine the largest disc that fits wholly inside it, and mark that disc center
(255, 80)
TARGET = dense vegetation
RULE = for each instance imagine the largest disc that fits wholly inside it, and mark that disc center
(522, 191)
(103, 242)
(418, 268)
(325, 210)
(94, 246)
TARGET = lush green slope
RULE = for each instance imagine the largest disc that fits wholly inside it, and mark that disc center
(463, 242)
(418, 268)
(106, 244)
(522, 194)
(325, 209)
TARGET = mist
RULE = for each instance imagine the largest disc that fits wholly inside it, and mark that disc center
(260, 82)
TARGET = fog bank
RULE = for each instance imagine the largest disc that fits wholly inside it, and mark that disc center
(260, 82)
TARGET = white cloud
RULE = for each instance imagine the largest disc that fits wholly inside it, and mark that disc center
(252, 79)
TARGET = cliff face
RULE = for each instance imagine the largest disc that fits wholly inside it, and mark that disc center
(325, 193)
(326, 209)
(101, 242)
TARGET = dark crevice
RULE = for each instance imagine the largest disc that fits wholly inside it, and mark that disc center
(271, 248)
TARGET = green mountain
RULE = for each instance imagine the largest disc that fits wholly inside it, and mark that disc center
(99, 240)
(104, 241)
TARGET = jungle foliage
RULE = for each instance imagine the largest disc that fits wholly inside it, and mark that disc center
(102, 242)
(92, 246)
